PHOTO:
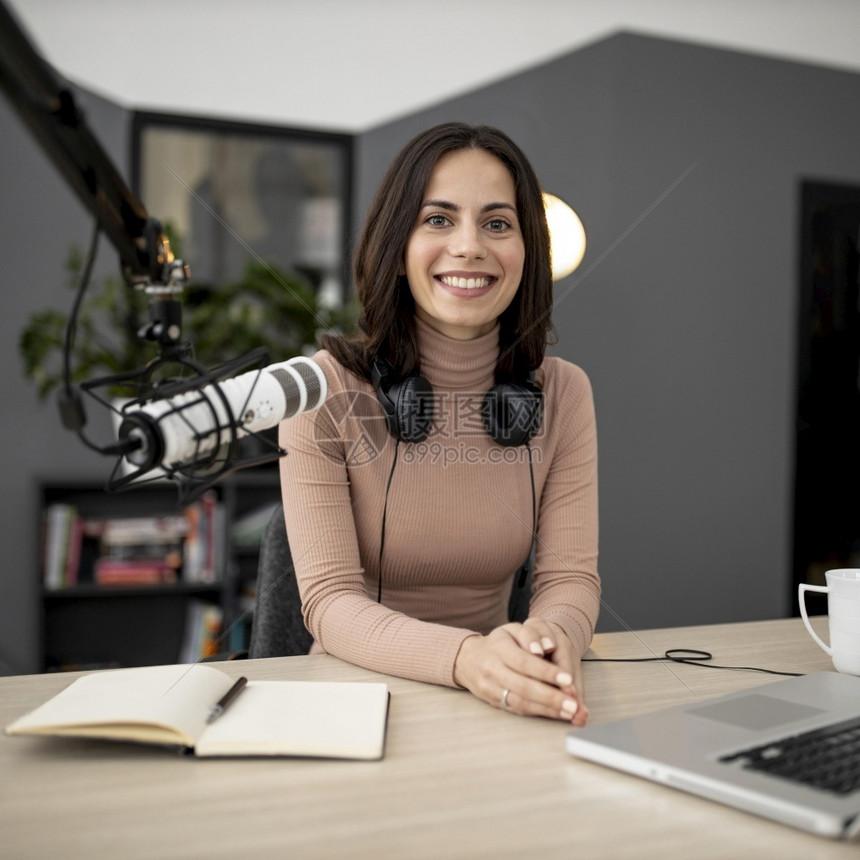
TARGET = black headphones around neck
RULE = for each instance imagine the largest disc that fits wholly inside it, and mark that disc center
(512, 412)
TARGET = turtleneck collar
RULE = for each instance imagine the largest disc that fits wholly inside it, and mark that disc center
(465, 365)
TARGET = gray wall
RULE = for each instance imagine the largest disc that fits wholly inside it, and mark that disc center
(40, 219)
(683, 312)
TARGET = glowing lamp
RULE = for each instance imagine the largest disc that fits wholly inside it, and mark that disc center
(567, 236)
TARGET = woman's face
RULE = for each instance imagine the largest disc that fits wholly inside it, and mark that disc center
(464, 256)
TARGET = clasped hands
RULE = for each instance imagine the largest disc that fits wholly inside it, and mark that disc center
(528, 668)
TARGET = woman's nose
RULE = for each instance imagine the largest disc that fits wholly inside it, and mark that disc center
(466, 241)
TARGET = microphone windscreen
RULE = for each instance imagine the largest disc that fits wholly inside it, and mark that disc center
(305, 397)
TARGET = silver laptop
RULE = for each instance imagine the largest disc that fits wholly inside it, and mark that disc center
(764, 750)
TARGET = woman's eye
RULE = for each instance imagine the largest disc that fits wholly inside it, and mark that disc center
(438, 221)
(498, 225)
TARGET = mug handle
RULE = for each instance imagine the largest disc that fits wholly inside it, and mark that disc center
(801, 591)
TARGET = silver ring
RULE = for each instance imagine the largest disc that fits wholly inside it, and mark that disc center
(505, 703)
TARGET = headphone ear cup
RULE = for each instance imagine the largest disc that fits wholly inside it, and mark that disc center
(412, 418)
(512, 413)
(407, 405)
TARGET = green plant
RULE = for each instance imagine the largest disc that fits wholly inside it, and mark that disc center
(265, 308)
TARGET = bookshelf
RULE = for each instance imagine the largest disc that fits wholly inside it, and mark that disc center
(130, 579)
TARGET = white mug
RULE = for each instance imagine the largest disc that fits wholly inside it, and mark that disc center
(843, 611)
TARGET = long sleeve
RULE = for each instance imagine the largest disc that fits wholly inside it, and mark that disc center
(566, 583)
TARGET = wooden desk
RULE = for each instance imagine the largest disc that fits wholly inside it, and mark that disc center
(459, 778)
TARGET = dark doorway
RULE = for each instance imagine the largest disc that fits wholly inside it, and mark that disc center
(827, 485)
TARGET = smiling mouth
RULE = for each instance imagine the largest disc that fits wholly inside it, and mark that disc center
(465, 283)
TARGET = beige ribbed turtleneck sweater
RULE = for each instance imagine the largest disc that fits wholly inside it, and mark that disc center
(458, 519)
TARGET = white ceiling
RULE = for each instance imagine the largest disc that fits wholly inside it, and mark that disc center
(352, 64)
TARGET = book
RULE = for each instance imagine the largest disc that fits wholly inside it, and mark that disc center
(59, 534)
(75, 545)
(203, 622)
(119, 531)
(205, 533)
(133, 572)
(169, 705)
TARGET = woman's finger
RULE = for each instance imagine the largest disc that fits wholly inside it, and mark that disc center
(534, 636)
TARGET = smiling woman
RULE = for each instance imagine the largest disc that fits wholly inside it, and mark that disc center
(405, 522)
(464, 258)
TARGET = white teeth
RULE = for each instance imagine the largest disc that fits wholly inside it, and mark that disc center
(465, 283)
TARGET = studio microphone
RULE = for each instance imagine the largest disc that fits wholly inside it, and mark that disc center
(190, 428)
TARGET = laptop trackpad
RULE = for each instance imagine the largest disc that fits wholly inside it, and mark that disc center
(756, 712)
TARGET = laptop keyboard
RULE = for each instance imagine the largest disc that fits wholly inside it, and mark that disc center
(827, 758)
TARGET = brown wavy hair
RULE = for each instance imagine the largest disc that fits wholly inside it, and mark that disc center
(387, 320)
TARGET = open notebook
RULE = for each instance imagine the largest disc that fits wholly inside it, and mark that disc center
(772, 750)
(170, 705)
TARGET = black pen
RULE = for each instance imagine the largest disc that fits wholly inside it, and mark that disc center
(225, 700)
